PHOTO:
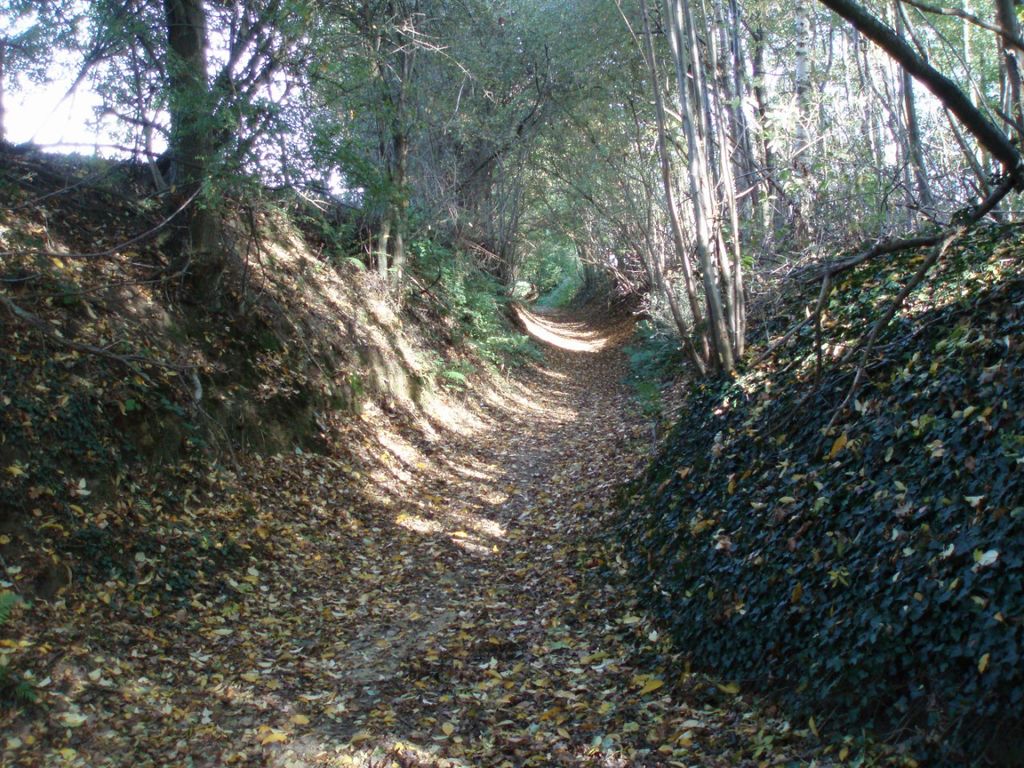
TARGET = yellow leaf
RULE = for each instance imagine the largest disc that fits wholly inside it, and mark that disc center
(983, 663)
(15, 471)
(814, 727)
(300, 719)
(651, 685)
(73, 719)
(274, 737)
(732, 689)
(798, 592)
(838, 446)
(448, 729)
(843, 754)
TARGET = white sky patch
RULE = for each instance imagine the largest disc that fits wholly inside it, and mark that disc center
(41, 114)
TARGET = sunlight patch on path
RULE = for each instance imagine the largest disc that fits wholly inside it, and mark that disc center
(572, 337)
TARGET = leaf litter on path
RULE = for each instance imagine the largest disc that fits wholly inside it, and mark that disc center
(407, 605)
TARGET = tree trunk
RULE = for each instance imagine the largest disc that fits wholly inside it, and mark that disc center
(682, 38)
(757, 36)
(187, 80)
(924, 191)
(699, 352)
(3, 76)
(190, 143)
(945, 90)
(801, 138)
(1007, 18)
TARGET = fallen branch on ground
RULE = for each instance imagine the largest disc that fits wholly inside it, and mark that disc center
(828, 271)
(114, 249)
(132, 362)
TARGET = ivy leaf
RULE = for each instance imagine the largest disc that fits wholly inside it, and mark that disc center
(987, 558)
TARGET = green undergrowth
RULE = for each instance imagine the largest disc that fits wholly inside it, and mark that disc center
(15, 689)
(655, 358)
(474, 307)
(869, 574)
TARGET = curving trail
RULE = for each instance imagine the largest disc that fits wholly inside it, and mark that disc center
(445, 602)
(537, 653)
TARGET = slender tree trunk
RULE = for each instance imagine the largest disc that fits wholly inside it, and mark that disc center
(699, 350)
(1006, 16)
(746, 163)
(801, 139)
(3, 78)
(768, 215)
(682, 38)
(801, 78)
(924, 191)
(944, 89)
(384, 245)
(730, 259)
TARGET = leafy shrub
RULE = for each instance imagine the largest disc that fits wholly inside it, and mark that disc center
(475, 302)
(563, 294)
(556, 272)
(874, 570)
(655, 357)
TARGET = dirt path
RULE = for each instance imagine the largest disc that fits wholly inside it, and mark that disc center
(451, 603)
(536, 653)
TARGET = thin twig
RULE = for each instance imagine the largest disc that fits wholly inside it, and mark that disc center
(922, 272)
(977, 213)
(129, 361)
(826, 289)
(119, 247)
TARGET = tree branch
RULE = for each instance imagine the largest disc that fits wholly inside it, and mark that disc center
(945, 90)
(936, 10)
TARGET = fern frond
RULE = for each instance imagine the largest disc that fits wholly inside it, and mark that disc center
(7, 602)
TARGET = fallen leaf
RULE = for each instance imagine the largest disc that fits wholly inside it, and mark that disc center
(274, 737)
(651, 685)
(838, 446)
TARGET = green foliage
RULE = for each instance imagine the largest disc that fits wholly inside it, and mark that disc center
(563, 294)
(475, 303)
(14, 690)
(7, 602)
(872, 570)
(456, 376)
(555, 271)
(654, 358)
